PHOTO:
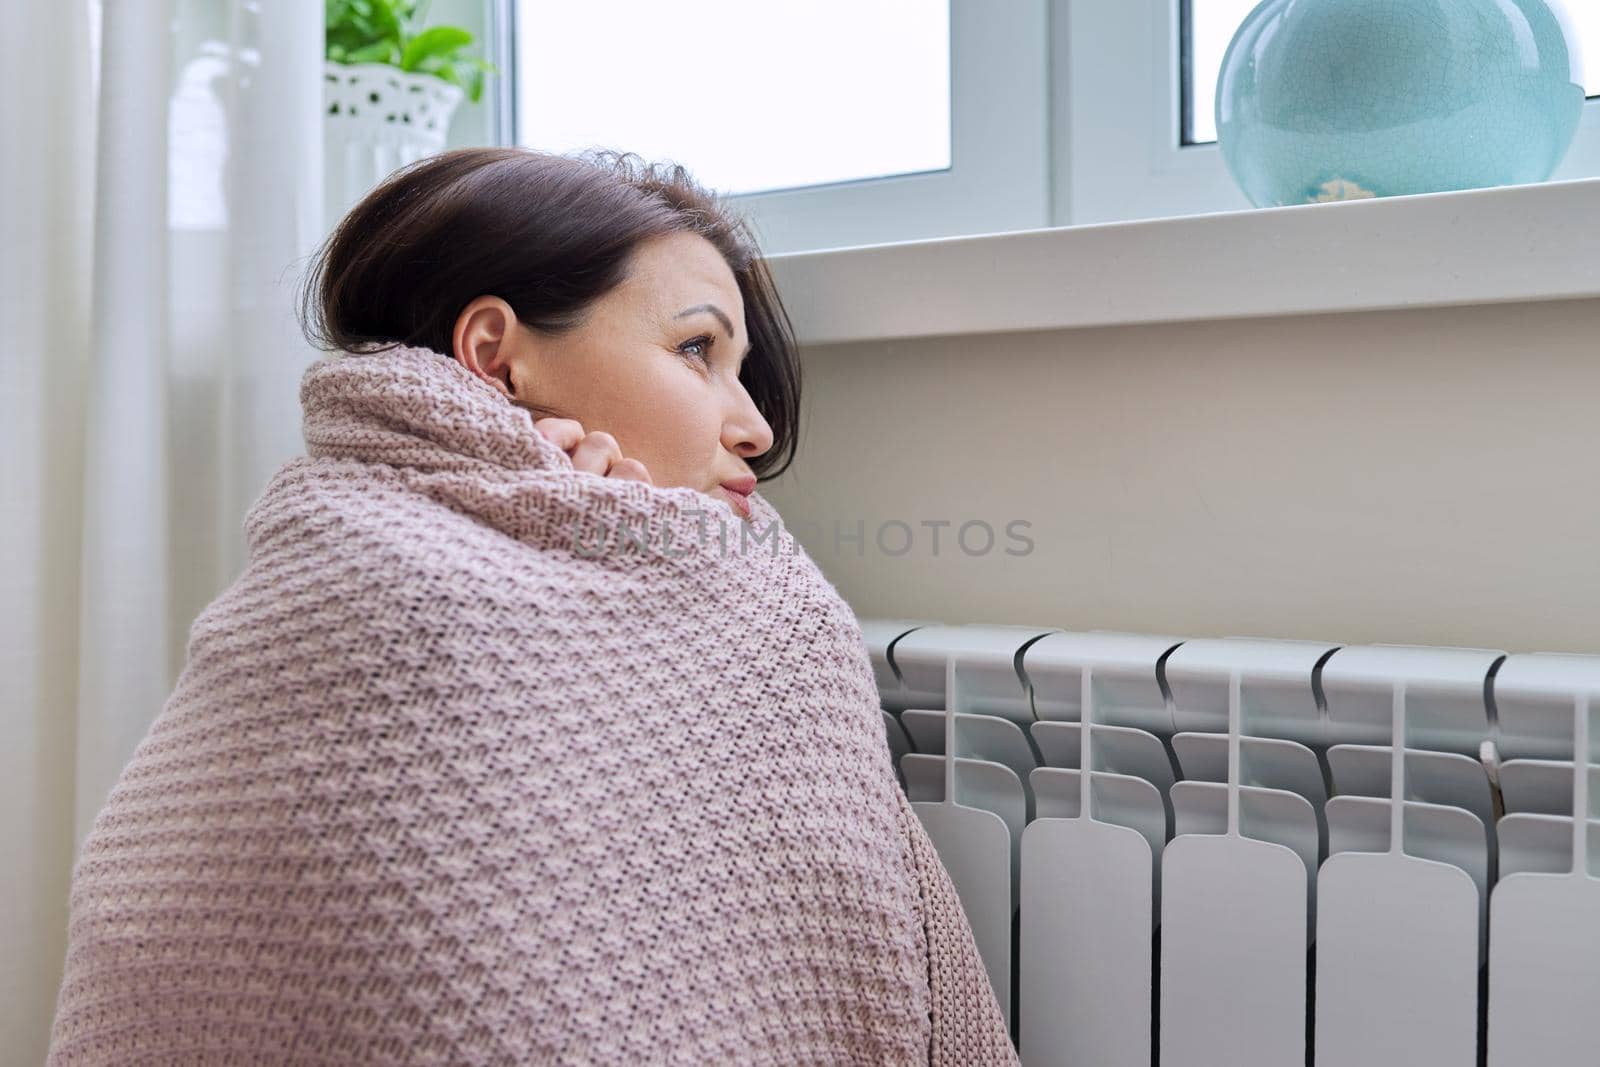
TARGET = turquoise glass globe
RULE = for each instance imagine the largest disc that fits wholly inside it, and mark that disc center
(1341, 99)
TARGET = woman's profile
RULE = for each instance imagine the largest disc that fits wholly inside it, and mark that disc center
(527, 734)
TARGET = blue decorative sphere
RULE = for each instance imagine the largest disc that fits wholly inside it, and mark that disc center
(1340, 99)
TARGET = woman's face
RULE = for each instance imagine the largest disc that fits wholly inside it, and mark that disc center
(655, 364)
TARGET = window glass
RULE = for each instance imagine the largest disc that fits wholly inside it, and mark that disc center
(751, 97)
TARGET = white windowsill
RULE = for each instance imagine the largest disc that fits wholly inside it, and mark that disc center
(1476, 246)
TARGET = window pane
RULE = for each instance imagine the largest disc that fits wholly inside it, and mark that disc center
(1211, 27)
(750, 97)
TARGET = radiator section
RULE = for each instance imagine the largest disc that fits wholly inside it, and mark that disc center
(1253, 852)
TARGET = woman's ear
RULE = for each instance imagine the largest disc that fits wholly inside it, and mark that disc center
(487, 341)
(493, 344)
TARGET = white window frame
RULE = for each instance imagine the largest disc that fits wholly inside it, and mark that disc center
(1063, 113)
(999, 173)
(1118, 120)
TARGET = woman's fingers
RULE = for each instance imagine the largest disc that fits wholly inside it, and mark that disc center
(596, 452)
(599, 453)
(631, 470)
(564, 433)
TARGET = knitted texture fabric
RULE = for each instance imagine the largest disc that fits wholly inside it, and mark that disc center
(483, 759)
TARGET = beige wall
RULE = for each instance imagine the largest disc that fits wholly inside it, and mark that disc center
(1424, 477)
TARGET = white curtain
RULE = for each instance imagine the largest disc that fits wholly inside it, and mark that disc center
(160, 190)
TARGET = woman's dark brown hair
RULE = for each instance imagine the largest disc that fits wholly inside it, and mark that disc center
(549, 234)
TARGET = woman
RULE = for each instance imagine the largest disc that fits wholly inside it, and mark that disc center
(527, 735)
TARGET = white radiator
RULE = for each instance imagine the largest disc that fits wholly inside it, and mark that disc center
(1283, 852)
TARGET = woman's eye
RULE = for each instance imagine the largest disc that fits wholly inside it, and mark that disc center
(701, 343)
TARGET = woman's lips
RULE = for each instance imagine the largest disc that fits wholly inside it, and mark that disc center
(739, 500)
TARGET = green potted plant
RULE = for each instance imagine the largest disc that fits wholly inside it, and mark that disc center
(391, 32)
(390, 88)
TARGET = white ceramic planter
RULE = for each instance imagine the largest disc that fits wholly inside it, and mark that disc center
(377, 118)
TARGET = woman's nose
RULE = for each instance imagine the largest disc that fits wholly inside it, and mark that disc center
(745, 432)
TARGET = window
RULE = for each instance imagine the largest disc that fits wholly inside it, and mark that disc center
(1130, 152)
(1208, 28)
(834, 122)
(680, 82)
(1210, 25)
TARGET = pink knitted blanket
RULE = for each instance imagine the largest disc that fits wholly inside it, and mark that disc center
(487, 760)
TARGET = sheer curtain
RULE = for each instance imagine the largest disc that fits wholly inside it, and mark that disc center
(160, 190)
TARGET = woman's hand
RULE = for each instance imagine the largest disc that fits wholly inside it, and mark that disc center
(597, 452)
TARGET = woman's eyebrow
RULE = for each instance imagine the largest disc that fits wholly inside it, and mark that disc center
(727, 323)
